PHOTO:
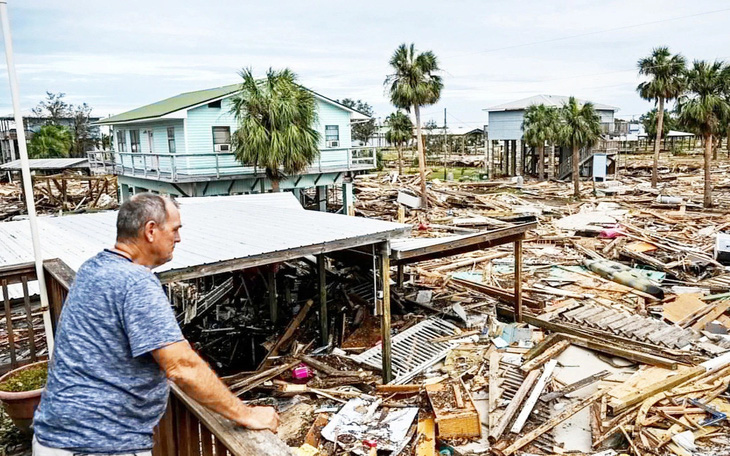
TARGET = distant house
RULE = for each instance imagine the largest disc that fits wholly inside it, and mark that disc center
(182, 146)
(510, 156)
(9, 150)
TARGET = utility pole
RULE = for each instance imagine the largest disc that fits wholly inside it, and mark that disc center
(445, 148)
(27, 179)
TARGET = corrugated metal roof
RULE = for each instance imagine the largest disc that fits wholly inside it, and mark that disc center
(48, 163)
(548, 100)
(215, 229)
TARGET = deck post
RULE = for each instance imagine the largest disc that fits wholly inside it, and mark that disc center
(401, 275)
(518, 280)
(323, 319)
(348, 201)
(384, 254)
(271, 284)
(321, 194)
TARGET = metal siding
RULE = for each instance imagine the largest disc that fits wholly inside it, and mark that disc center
(505, 125)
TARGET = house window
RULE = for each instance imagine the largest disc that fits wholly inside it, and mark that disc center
(222, 139)
(134, 141)
(121, 141)
(171, 139)
(215, 104)
(332, 135)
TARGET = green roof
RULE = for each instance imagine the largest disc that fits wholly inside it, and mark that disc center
(172, 104)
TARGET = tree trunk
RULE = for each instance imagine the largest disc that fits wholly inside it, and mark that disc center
(551, 162)
(707, 201)
(400, 159)
(541, 162)
(657, 143)
(576, 171)
(275, 185)
(715, 146)
(727, 146)
(421, 158)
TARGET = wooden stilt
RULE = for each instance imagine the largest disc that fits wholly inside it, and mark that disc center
(385, 315)
(518, 281)
(273, 302)
(323, 319)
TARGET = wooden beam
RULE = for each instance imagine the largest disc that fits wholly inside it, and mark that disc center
(236, 439)
(514, 406)
(384, 256)
(273, 299)
(534, 396)
(322, 280)
(518, 281)
(237, 264)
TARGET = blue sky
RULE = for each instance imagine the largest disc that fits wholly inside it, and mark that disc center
(118, 55)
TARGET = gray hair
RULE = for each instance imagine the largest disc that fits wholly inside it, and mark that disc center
(138, 210)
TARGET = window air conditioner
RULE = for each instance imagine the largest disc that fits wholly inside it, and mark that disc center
(333, 144)
(222, 147)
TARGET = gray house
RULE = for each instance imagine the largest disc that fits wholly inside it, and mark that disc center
(505, 135)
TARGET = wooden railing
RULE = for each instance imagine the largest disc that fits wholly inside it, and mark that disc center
(190, 167)
(186, 429)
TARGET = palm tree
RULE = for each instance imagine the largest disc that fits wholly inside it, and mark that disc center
(414, 83)
(703, 107)
(666, 82)
(51, 141)
(399, 133)
(580, 127)
(540, 127)
(276, 118)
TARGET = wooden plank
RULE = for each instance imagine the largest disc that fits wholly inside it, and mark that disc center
(494, 389)
(719, 309)
(314, 435)
(9, 324)
(252, 261)
(29, 321)
(683, 374)
(518, 281)
(426, 440)
(478, 241)
(534, 396)
(452, 420)
(322, 288)
(575, 386)
(514, 406)
(550, 353)
(503, 295)
(239, 441)
(549, 424)
(206, 441)
(385, 317)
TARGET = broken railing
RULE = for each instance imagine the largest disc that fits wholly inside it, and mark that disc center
(187, 428)
(22, 335)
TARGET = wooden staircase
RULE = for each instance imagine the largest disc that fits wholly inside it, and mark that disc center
(565, 169)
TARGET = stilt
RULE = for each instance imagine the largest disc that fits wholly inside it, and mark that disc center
(518, 281)
(323, 320)
(348, 199)
(321, 198)
(273, 302)
(384, 254)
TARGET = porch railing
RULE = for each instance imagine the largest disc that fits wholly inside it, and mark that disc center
(190, 167)
(186, 429)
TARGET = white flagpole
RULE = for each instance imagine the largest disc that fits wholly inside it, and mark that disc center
(27, 179)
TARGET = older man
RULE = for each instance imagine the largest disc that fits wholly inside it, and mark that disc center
(118, 343)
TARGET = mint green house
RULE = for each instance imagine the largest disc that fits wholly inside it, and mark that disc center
(181, 146)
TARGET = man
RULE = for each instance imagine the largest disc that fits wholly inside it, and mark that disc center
(118, 343)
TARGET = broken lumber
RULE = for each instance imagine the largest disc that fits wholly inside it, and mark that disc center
(574, 386)
(452, 420)
(534, 396)
(548, 425)
(514, 406)
(547, 355)
(426, 439)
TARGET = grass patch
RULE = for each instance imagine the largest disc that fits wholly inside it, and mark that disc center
(26, 380)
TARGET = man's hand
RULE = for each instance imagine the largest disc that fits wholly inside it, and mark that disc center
(258, 418)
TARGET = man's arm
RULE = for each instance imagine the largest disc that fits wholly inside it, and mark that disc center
(193, 375)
